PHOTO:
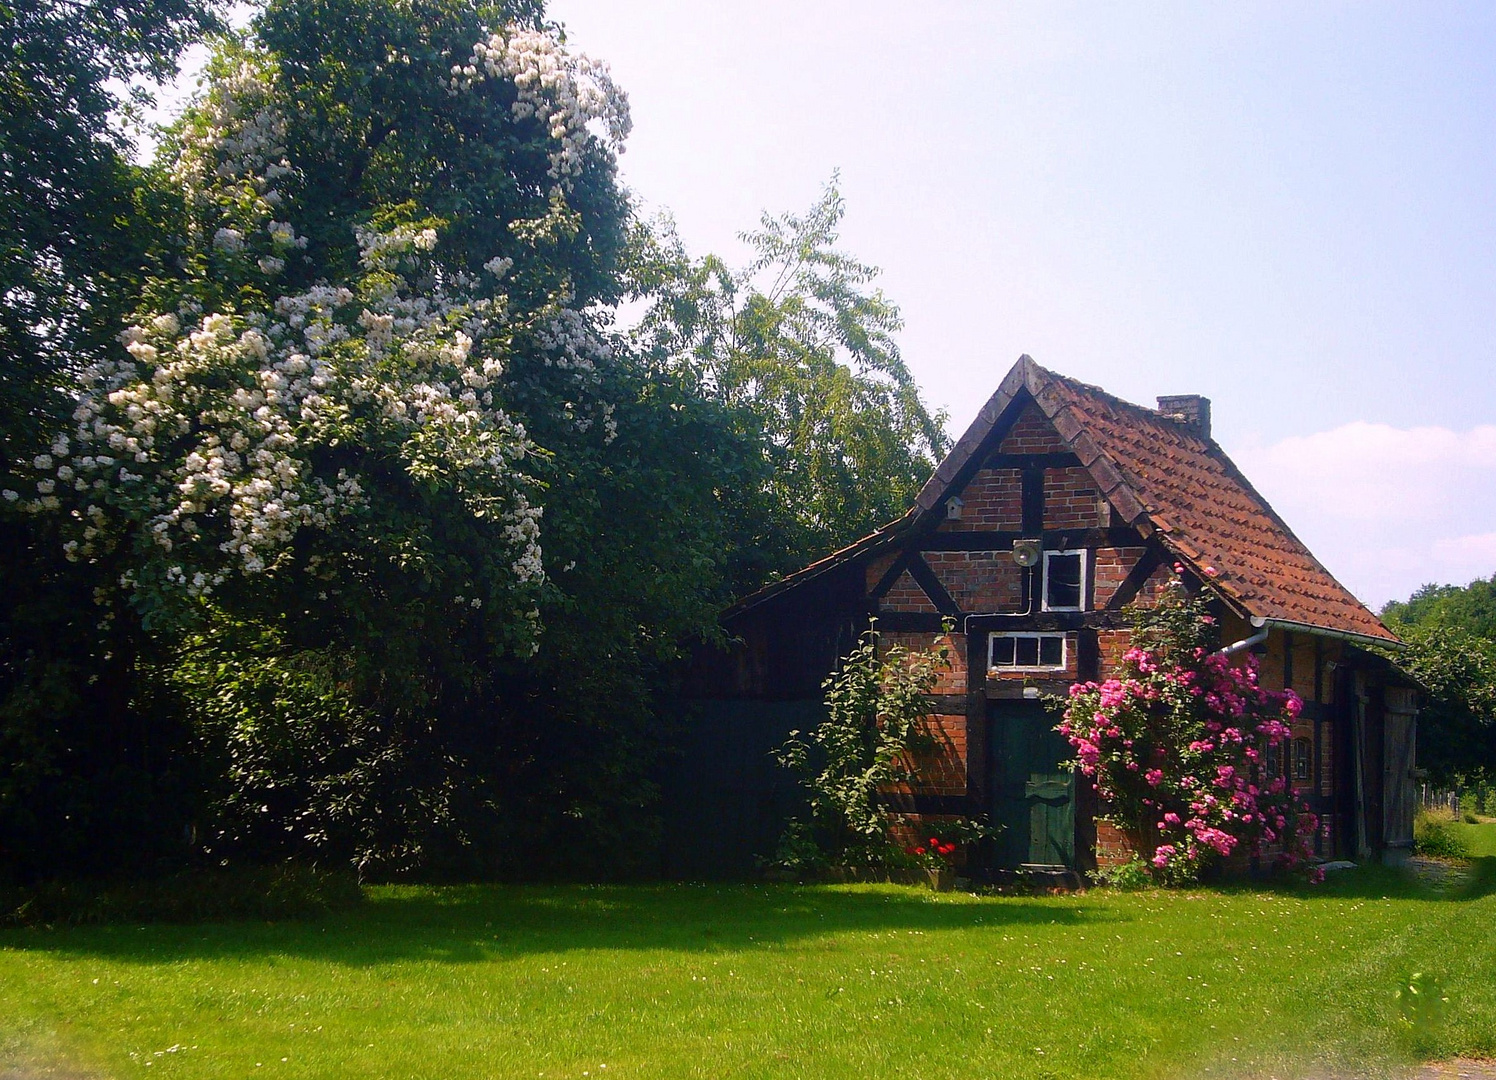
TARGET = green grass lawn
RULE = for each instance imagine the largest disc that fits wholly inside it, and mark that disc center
(764, 981)
(1481, 839)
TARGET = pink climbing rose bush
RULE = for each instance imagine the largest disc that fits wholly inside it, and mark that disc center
(1186, 748)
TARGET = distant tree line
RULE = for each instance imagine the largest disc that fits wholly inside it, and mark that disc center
(1450, 632)
(341, 519)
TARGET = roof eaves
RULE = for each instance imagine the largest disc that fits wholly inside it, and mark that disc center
(872, 540)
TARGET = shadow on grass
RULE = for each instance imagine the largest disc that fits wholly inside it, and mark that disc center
(473, 923)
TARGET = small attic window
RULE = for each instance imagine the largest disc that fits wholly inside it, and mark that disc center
(1064, 580)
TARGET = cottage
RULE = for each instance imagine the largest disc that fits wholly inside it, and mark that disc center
(1058, 507)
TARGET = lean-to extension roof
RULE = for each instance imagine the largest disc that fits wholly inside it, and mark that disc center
(1163, 478)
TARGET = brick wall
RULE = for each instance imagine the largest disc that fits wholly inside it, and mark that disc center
(951, 680)
(1113, 848)
(906, 595)
(1111, 644)
(979, 581)
(1032, 434)
(942, 770)
(1111, 570)
(1303, 666)
(1154, 586)
(993, 500)
(1070, 499)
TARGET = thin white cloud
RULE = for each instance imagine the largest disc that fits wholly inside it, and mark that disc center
(1385, 508)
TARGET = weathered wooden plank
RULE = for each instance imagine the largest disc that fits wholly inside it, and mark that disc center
(892, 574)
(1033, 500)
(1048, 620)
(1059, 460)
(910, 622)
(1054, 539)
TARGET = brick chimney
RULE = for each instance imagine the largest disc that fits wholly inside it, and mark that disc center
(1190, 411)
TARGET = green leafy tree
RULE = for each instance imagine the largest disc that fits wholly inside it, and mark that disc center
(803, 348)
(1457, 714)
(1471, 608)
(78, 774)
(417, 540)
(71, 234)
(1451, 637)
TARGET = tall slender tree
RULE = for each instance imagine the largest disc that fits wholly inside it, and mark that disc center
(803, 347)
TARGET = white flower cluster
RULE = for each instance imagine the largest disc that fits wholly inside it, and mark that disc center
(382, 250)
(208, 448)
(568, 344)
(232, 164)
(209, 434)
(565, 92)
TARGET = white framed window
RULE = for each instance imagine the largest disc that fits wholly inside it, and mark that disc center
(1064, 580)
(1026, 652)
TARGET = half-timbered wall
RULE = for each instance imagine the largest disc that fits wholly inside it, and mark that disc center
(952, 575)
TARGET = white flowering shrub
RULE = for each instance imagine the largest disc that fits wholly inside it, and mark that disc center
(362, 442)
(223, 433)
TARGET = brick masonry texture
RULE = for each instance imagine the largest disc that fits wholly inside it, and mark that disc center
(1111, 570)
(1113, 849)
(942, 770)
(906, 595)
(979, 581)
(877, 568)
(992, 500)
(1032, 434)
(951, 680)
(1070, 499)
(1111, 644)
(1154, 586)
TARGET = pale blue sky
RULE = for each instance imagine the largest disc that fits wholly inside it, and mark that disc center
(1286, 207)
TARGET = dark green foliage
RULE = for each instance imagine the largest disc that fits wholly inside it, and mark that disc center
(365, 713)
(1451, 636)
(877, 711)
(1471, 608)
(269, 893)
(82, 768)
(71, 231)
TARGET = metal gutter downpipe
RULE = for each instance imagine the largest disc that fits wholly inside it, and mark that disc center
(1247, 642)
(1320, 631)
(1267, 625)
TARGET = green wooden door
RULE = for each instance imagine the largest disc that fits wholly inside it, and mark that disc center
(1033, 797)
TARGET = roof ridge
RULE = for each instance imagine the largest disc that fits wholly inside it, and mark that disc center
(1164, 479)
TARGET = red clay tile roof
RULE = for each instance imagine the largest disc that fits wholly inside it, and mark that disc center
(1162, 477)
(1204, 509)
